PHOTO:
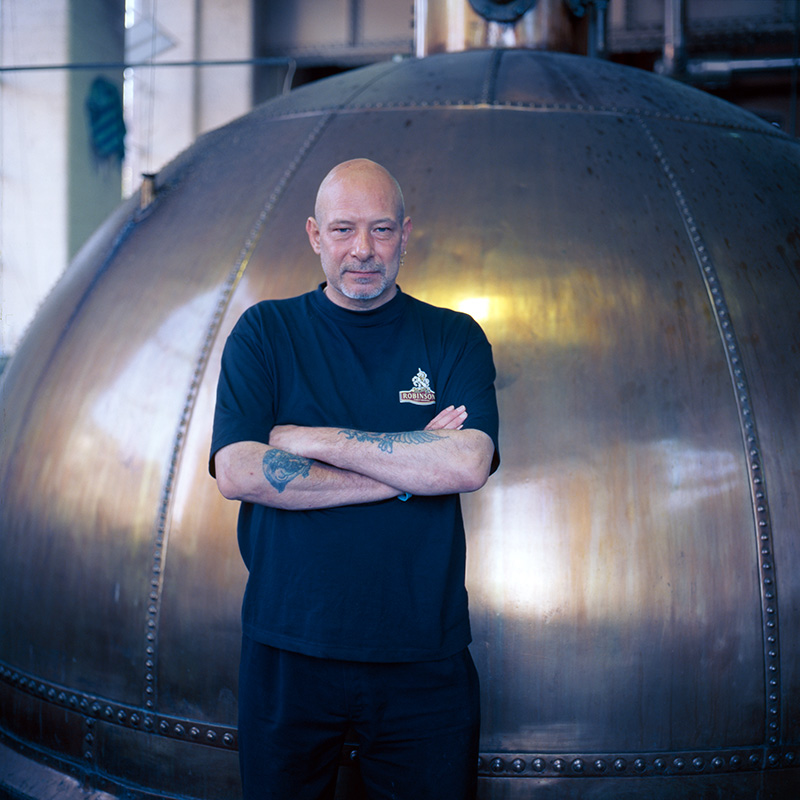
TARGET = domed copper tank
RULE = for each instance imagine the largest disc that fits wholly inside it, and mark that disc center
(632, 248)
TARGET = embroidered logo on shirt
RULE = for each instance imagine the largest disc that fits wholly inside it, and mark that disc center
(421, 394)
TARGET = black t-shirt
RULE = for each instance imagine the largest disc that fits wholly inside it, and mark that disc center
(380, 581)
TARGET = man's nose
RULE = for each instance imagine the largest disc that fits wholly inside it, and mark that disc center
(362, 245)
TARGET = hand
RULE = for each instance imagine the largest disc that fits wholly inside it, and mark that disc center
(450, 419)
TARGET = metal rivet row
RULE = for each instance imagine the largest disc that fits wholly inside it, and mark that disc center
(750, 436)
(525, 765)
(95, 708)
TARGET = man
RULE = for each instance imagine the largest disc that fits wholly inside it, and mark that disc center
(348, 420)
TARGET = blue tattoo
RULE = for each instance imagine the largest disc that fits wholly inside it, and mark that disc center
(280, 468)
(386, 441)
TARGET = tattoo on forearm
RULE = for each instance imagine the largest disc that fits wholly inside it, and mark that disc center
(386, 441)
(280, 467)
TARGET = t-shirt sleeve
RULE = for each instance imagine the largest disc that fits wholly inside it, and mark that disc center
(244, 410)
(470, 381)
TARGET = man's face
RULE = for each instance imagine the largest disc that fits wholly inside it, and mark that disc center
(359, 237)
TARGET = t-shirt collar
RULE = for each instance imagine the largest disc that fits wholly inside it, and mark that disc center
(387, 312)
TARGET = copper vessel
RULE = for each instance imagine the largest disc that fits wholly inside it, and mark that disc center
(632, 248)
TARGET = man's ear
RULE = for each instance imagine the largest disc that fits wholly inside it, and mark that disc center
(407, 226)
(312, 229)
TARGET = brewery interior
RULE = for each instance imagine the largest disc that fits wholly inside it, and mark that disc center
(609, 186)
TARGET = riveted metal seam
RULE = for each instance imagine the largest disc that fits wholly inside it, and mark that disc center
(752, 449)
(489, 89)
(631, 765)
(96, 709)
(636, 114)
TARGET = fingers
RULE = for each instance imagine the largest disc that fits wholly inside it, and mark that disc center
(450, 418)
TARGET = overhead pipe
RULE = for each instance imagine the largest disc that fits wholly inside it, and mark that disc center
(675, 64)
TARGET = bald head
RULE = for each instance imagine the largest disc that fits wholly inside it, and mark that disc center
(354, 176)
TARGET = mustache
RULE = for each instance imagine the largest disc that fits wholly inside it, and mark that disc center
(365, 266)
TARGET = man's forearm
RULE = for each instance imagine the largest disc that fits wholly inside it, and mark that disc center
(424, 462)
(257, 473)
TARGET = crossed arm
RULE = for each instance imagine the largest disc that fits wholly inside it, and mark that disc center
(304, 467)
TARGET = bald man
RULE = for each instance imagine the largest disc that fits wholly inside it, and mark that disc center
(348, 420)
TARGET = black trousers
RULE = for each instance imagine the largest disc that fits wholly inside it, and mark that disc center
(416, 725)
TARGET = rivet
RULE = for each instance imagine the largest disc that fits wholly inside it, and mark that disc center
(179, 730)
(88, 755)
(497, 765)
(228, 739)
(538, 765)
(135, 719)
(559, 764)
(518, 765)
(121, 715)
(163, 726)
(600, 765)
(211, 736)
(773, 759)
(660, 764)
(754, 760)
(698, 763)
(620, 765)
(679, 763)
(578, 765)
(194, 732)
(717, 762)
(736, 762)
